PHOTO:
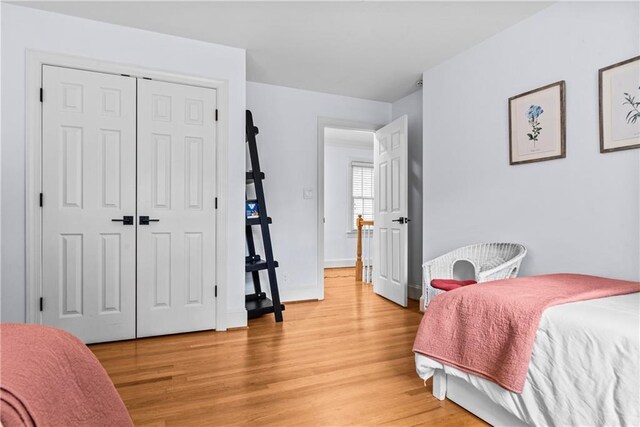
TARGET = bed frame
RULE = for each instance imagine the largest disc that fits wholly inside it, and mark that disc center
(470, 398)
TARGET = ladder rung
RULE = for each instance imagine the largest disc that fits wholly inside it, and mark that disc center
(257, 266)
(249, 259)
(256, 221)
(260, 307)
(255, 297)
(250, 177)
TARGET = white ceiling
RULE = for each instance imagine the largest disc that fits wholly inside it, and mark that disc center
(373, 50)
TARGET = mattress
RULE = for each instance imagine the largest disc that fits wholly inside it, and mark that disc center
(584, 369)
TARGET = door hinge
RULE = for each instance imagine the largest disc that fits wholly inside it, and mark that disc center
(216, 203)
(216, 291)
(41, 303)
(216, 114)
(41, 200)
(41, 95)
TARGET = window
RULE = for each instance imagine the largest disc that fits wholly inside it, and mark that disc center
(361, 192)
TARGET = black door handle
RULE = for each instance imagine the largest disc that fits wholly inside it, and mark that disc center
(401, 220)
(126, 220)
(145, 220)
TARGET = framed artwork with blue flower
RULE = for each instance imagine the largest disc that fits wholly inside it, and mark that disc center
(537, 125)
(619, 86)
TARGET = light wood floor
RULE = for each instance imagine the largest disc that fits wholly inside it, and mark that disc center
(346, 360)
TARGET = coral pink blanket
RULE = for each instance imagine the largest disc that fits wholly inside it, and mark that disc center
(49, 377)
(489, 329)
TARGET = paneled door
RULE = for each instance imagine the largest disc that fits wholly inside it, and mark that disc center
(390, 212)
(89, 203)
(176, 208)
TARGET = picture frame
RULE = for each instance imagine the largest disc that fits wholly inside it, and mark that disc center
(251, 209)
(619, 105)
(537, 125)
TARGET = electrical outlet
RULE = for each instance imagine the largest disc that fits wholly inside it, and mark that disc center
(307, 193)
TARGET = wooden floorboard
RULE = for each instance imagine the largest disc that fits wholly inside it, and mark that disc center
(346, 360)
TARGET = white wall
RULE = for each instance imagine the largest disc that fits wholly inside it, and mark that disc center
(26, 28)
(340, 246)
(411, 105)
(288, 123)
(579, 214)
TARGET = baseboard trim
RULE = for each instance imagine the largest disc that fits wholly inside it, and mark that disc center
(235, 319)
(414, 292)
(310, 293)
(306, 293)
(336, 263)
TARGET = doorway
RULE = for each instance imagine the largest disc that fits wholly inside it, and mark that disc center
(348, 196)
(370, 184)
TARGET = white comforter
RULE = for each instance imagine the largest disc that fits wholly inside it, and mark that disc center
(584, 369)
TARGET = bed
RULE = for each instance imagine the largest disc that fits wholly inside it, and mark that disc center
(49, 377)
(584, 370)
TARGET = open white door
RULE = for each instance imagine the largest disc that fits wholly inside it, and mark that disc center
(176, 208)
(89, 203)
(390, 212)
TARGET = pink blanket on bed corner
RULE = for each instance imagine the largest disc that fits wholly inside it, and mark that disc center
(489, 329)
(49, 377)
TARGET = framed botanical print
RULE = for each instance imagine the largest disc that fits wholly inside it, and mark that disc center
(620, 106)
(537, 125)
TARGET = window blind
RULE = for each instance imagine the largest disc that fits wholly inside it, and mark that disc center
(361, 192)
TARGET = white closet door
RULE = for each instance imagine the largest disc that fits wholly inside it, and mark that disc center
(176, 190)
(88, 179)
(390, 209)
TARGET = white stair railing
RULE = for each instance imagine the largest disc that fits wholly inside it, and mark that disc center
(364, 251)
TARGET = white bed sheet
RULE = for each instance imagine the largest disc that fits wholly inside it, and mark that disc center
(584, 369)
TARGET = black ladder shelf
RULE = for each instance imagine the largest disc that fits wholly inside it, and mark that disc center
(257, 303)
